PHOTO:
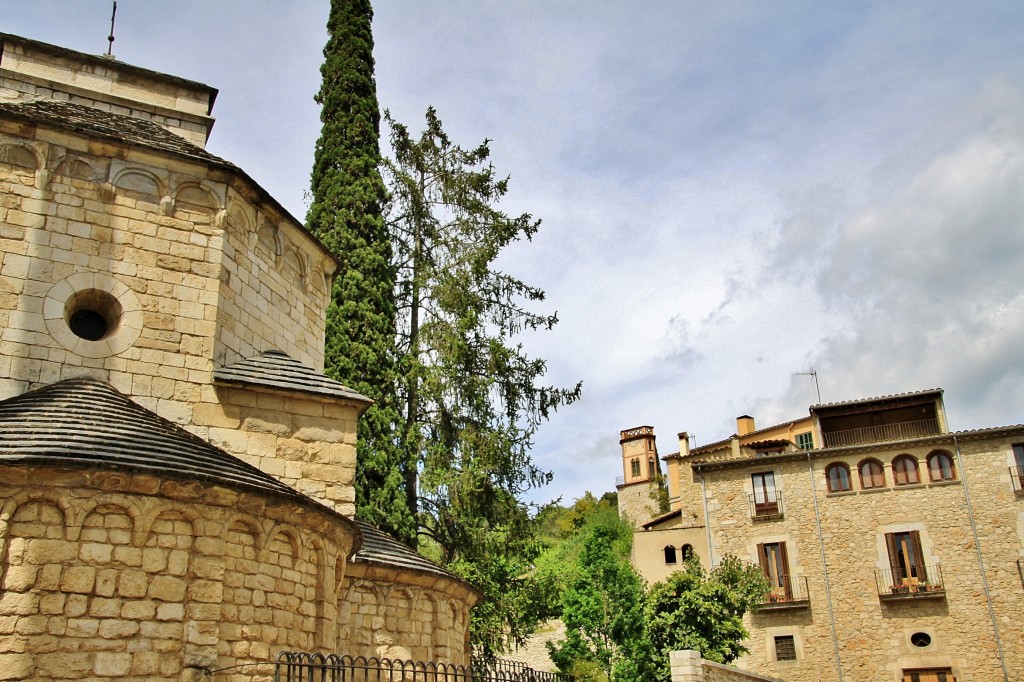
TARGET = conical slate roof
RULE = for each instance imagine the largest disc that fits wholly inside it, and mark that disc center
(88, 423)
(380, 548)
(276, 370)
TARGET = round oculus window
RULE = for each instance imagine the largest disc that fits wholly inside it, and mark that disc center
(920, 639)
(92, 314)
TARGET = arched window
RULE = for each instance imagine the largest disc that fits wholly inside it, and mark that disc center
(904, 470)
(635, 468)
(940, 466)
(872, 475)
(650, 467)
(837, 476)
(687, 551)
(670, 554)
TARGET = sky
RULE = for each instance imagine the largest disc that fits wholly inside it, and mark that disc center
(732, 192)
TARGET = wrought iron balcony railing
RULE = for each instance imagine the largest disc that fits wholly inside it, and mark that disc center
(792, 594)
(920, 582)
(765, 505)
(882, 432)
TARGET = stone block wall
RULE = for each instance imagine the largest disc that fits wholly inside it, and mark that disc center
(396, 614)
(638, 502)
(874, 636)
(113, 575)
(688, 666)
(152, 232)
(107, 575)
(308, 443)
(275, 285)
(195, 286)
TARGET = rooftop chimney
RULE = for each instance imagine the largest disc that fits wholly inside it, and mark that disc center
(744, 425)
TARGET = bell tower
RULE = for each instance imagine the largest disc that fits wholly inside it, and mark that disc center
(640, 484)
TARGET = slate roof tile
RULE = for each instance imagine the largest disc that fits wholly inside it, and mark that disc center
(87, 423)
(134, 132)
(380, 548)
(275, 369)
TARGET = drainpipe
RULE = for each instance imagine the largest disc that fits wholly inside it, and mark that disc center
(707, 519)
(981, 561)
(824, 569)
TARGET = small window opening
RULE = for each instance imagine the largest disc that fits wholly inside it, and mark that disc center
(921, 639)
(670, 555)
(785, 648)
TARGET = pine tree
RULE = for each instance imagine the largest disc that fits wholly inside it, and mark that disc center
(346, 214)
(472, 398)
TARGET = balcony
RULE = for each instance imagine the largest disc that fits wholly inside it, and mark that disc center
(1017, 479)
(927, 584)
(882, 432)
(791, 595)
(765, 505)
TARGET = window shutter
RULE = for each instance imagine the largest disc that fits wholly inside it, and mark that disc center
(918, 555)
(894, 557)
(784, 570)
(762, 558)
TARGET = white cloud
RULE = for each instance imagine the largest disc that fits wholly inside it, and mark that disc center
(731, 192)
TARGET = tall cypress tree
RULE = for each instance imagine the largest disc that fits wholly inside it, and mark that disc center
(345, 214)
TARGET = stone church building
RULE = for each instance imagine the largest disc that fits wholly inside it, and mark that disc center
(176, 473)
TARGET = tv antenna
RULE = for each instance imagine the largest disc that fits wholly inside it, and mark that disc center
(814, 375)
(110, 38)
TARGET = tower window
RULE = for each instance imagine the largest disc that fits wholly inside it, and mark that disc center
(635, 468)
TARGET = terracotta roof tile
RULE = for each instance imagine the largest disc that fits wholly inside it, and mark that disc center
(894, 396)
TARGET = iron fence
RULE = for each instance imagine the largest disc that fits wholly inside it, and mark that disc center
(299, 666)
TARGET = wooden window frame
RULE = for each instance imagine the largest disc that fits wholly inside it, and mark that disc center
(838, 466)
(929, 675)
(635, 467)
(905, 470)
(939, 455)
(777, 574)
(869, 484)
(769, 505)
(906, 569)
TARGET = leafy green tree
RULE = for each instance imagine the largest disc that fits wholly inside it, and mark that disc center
(693, 609)
(346, 214)
(602, 606)
(472, 399)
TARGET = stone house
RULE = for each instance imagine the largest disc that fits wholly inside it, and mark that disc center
(176, 473)
(894, 547)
